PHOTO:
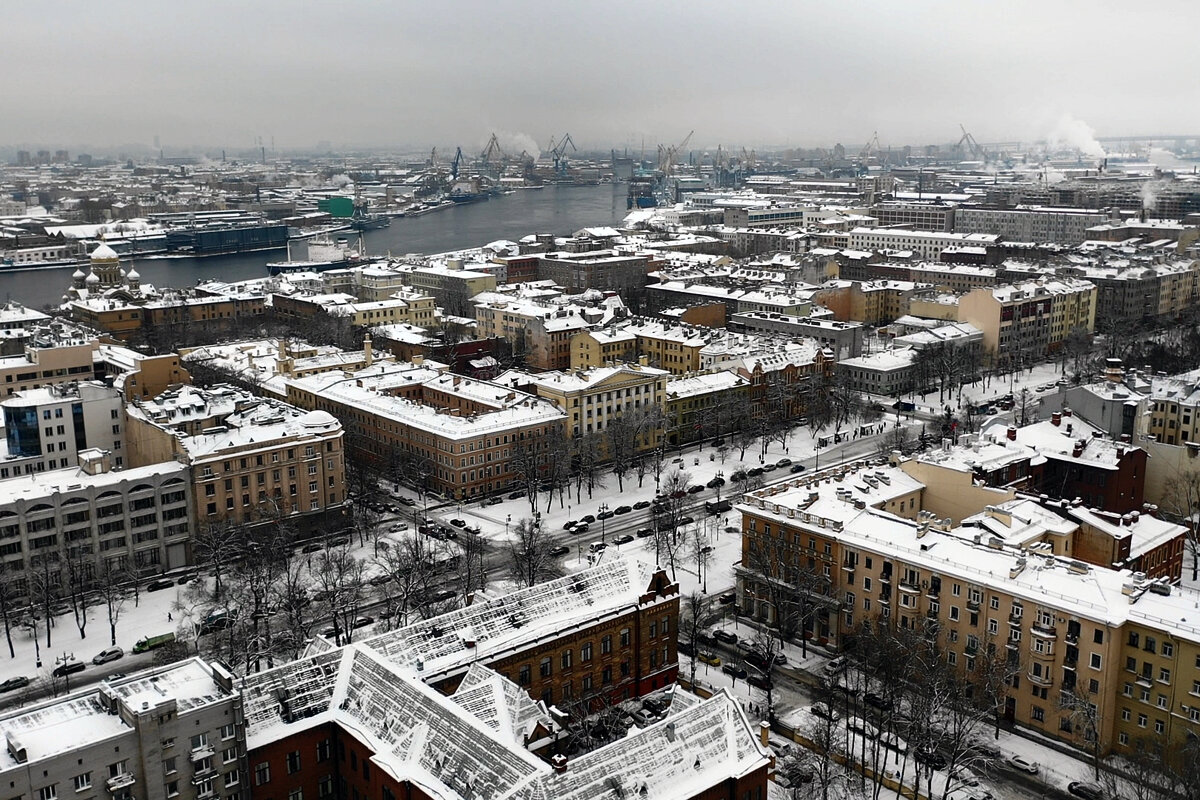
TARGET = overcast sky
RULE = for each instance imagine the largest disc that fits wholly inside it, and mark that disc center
(612, 73)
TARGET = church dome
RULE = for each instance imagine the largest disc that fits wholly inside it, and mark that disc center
(133, 275)
(93, 279)
(104, 253)
(78, 275)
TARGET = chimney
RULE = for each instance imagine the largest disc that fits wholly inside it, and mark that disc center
(764, 732)
(1012, 433)
(1056, 419)
(1077, 451)
(1066, 412)
(368, 356)
(559, 762)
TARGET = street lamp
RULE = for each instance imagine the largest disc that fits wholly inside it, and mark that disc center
(603, 511)
(507, 519)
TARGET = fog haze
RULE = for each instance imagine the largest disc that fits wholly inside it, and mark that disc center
(610, 73)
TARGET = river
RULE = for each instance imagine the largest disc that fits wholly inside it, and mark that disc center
(560, 210)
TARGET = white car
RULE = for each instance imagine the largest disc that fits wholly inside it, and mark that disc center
(1024, 764)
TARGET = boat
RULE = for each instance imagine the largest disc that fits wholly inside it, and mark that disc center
(323, 254)
(467, 190)
(364, 220)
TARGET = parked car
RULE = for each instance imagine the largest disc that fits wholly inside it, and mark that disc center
(69, 667)
(686, 521)
(580, 527)
(588, 518)
(561, 550)
(758, 680)
(739, 475)
(877, 701)
(724, 636)
(161, 583)
(569, 524)
(622, 509)
(736, 670)
(408, 501)
(515, 495)
(727, 598)
(458, 523)
(769, 467)
(1088, 791)
(796, 468)
(18, 682)
(400, 527)
(754, 473)
(624, 538)
(642, 717)
(380, 579)
(640, 504)
(709, 658)
(783, 462)
(825, 711)
(697, 489)
(311, 547)
(715, 482)
(835, 666)
(361, 622)
(597, 547)
(1023, 764)
(685, 648)
(930, 758)
(643, 533)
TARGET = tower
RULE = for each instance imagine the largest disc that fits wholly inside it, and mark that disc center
(106, 266)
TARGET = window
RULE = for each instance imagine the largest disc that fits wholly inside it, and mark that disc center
(199, 740)
(172, 789)
(625, 634)
(1168, 649)
(1039, 714)
(48, 792)
(227, 731)
(544, 667)
(1164, 675)
(229, 754)
(169, 765)
(296, 794)
(1098, 636)
(323, 750)
(1095, 661)
(232, 778)
(262, 773)
(992, 626)
(585, 652)
(606, 644)
(1142, 719)
(565, 659)
(994, 602)
(83, 781)
(523, 675)
(1160, 727)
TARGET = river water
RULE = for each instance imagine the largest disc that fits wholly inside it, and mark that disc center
(560, 210)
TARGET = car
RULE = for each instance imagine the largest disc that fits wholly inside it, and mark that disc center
(754, 473)
(685, 648)
(679, 494)
(330, 631)
(158, 585)
(724, 636)
(605, 515)
(624, 538)
(408, 501)
(569, 524)
(835, 666)
(341, 541)
(622, 509)
(825, 711)
(361, 622)
(588, 518)
(727, 598)
(581, 527)
(642, 717)
(18, 682)
(474, 530)
(709, 658)
(1088, 791)
(732, 529)
(697, 489)
(640, 504)
(759, 681)
(735, 670)
(108, 654)
(597, 547)
(643, 533)
(561, 550)
(739, 475)
(705, 637)
(877, 701)
(1023, 764)
(796, 468)
(930, 758)
(458, 523)
(783, 462)
(400, 527)
(706, 549)
(769, 467)
(516, 495)
(493, 501)
(441, 597)
(116, 676)
(715, 482)
(686, 521)
(968, 778)
(69, 667)
(392, 507)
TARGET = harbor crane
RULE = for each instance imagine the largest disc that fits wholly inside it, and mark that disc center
(872, 147)
(493, 148)
(973, 147)
(667, 155)
(560, 153)
(456, 163)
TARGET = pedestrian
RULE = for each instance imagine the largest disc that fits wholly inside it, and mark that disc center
(169, 619)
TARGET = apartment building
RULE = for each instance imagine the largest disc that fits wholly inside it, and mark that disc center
(927, 245)
(704, 404)
(596, 269)
(1131, 294)
(167, 733)
(597, 347)
(931, 216)
(886, 372)
(845, 339)
(675, 348)
(47, 428)
(459, 434)
(451, 285)
(591, 399)
(540, 333)
(41, 366)
(1029, 223)
(869, 302)
(1065, 627)
(252, 459)
(487, 689)
(135, 520)
(1029, 320)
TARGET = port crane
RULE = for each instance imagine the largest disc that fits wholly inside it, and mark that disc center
(872, 147)
(559, 151)
(668, 154)
(973, 147)
(456, 163)
(493, 148)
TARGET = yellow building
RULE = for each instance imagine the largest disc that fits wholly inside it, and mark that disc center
(595, 348)
(675, 348)
(1029, 320)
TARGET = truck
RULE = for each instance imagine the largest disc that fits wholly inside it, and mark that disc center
(148, 643)
(717, 506)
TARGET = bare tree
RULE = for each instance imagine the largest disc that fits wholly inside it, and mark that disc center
(828, 745)
(9, 595)
(80, 575)
(412, 562)
(340, 581)
(529, 554)
(1181, 504)
(694, 617)
(216, 545)
(1081, 705)
(112, 593)
(45, 587)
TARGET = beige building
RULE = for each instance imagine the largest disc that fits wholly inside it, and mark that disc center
(1029, 320)
(601, 346)
(251, 458)
(42, 366)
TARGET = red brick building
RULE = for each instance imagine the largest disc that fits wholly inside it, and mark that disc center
(378, 719)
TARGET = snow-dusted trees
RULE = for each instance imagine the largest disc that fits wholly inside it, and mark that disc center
(529, 553)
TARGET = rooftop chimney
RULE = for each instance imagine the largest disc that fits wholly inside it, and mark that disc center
(1056, 419)
(1012, 433)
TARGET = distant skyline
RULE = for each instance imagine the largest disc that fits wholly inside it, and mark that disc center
(407, 75)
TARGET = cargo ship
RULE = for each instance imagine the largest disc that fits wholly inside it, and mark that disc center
(323, 254)
(218, 238)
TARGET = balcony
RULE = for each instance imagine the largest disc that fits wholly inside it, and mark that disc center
(1043, 655)
(848, 567)
(909, 588)
(1072, 637)
(119, 782)
(1040, 680)
(1014, 622)
(972, 605)
(1043, 630)
(202, 752)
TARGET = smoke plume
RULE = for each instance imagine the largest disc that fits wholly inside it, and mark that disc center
(1074, 134)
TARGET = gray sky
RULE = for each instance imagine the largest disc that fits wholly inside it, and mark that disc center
(611, 73)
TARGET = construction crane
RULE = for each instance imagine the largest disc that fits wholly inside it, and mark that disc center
(977, 152)
(456, 163)
(872, 147)
(560, 153)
